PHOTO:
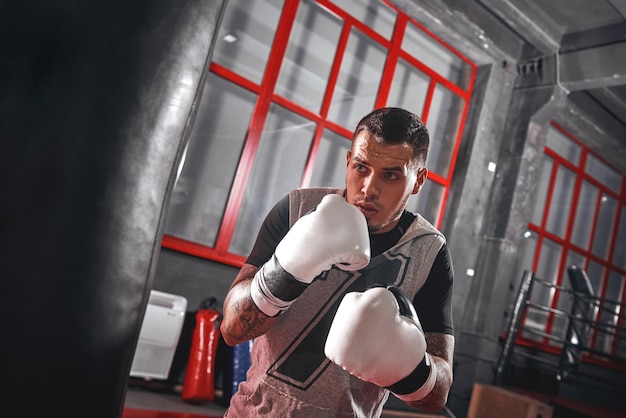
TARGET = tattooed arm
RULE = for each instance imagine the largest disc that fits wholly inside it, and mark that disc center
(242, 320)
(441, 348)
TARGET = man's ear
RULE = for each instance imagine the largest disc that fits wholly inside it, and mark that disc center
(422, 175)
(348, 157)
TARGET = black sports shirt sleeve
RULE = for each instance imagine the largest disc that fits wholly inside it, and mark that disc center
(272, 231)
(433, 302)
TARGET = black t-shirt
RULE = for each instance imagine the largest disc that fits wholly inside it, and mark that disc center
(433, 302)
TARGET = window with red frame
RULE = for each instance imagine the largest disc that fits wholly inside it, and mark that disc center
(288, 82)
(579, 219)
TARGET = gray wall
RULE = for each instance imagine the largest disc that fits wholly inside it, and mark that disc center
(193, 277)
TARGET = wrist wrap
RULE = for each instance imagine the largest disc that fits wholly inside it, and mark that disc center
(418, 384)
(273, 289)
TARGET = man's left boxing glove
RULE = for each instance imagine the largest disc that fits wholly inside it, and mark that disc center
(377, 337)
(334, 234)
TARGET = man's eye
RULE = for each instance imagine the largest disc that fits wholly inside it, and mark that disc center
(392, 176)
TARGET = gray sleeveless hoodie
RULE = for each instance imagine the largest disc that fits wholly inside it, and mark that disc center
(290, 376)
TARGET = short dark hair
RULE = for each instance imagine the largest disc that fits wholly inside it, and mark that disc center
(395, 125)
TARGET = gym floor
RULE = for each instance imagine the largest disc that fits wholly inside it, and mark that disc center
(149, 402)
(146, 399)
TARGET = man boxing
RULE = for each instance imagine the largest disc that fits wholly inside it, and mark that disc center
(346, 294)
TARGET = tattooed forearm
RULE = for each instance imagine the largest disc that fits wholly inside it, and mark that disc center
(242, 319)
(440, 345)
(249, 320)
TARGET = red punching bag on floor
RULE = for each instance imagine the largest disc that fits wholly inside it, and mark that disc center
(199, 383)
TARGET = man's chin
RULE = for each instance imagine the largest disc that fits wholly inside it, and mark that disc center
(374, 228)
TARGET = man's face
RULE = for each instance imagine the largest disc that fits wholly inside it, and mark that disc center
(380, 178)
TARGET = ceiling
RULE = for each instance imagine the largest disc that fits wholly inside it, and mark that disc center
(588, 36)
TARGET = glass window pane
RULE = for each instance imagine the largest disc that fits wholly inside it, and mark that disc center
(541, 293)
(604, 226)
(428, 201)
(359, 78)
(246, 35)
(542, 190)
(584, 214)
(286, 137)
(561, 322)
(595, 272)
(201, 191)
(563, 145)
(621, 343)
(409, 88)
(574, 259)
(374, 13)
(609, 315)
(561, 201)
(603, 173)
(444, 116)
(619, 254)
(436, 56)
(616, 289)
(566, 300)
(309, 56)
(549, 257)
(330, 161)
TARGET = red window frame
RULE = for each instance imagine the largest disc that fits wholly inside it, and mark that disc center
(567, 246)
(266, 96)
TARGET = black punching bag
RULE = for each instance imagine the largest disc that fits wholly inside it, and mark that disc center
(96, 100)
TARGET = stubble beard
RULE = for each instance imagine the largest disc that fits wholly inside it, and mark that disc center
(395, 217)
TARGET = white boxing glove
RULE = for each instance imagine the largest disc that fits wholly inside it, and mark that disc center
(334, 234)
(377, 337)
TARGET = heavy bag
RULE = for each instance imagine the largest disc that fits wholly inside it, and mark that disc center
(199, 383)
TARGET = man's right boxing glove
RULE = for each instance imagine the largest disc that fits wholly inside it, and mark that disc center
(334, 234)
(377, 337)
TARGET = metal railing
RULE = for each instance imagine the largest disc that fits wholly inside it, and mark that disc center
(581, 326)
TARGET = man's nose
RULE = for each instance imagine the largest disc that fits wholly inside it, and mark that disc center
(371, 188)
